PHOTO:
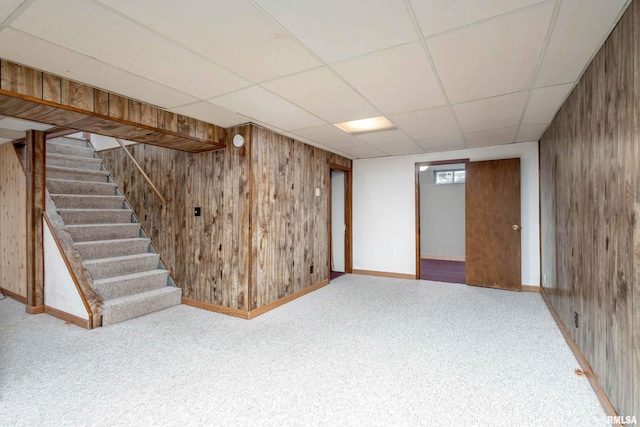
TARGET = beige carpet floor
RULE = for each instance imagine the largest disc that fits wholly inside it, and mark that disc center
(363, 351)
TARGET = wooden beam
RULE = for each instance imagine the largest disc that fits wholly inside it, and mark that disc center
(35, 207)
(35, 95)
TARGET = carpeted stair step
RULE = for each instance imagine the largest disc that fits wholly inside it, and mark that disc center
(95, 216)
(76, 162)
(69, 141)
(125, 308)
(67, 186)
(112, 248)
(121, 286)
(57, 172)
(121, 265)
(54, 147)
(81, 201)
(91, 232)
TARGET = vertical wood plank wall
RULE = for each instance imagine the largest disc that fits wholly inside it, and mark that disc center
(289, 227)
(207, 255)
(590, 196)
(13, 224)
(211, 257)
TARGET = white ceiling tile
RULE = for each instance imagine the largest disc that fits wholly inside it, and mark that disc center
(233, 33)
(34, 52)
(22, 125)
(385, 137)
(7, 7)
(528, 133)
(579, 29)
(330, 136)
(5, 140)
(338, 29)
(90, 29)
(443, 143)
(363, 152)
(211, 113)
(544, 103)
(260, 104)
(491, 137)
(492, 57)
(491, 113)
(437, 16)
(394, 80)
(312, 143)
(322, 93)
(400, 149)
(424, 124)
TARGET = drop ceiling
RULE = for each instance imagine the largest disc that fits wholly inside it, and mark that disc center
(448, 74)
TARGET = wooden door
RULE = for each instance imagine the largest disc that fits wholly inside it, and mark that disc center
(492, 205)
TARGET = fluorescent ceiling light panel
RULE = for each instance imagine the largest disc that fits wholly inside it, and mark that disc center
(373, 124)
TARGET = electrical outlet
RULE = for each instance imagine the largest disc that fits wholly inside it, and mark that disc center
(575, 318)
(196, 211)
(311, 270)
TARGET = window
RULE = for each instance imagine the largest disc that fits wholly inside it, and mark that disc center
(449, 177)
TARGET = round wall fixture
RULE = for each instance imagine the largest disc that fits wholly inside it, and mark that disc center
(238, 140)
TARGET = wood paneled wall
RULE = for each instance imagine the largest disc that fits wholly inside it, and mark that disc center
(35, 95)
(289, 227)
(13, 224)
(265, 189)
(207, 255)
(590, 205)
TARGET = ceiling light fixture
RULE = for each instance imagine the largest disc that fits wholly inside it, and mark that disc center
(373, 124)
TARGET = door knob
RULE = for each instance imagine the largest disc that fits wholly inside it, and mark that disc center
(515, 227)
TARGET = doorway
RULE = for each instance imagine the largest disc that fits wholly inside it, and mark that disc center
(339, 221)
(492, 222)
(441, 193)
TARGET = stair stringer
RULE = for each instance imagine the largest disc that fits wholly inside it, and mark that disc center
(84, 284)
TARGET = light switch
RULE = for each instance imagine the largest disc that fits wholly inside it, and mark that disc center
(317, 192)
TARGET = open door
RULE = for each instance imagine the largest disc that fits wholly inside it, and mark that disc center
(492, 218)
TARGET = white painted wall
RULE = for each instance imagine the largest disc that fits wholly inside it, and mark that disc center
(442, 228)
(60, 291)
(384, 208)
(101, 142)
(337, 220)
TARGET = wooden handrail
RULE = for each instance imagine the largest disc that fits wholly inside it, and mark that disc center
(153, 187)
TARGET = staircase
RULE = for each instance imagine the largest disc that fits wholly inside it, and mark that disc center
(126, 273)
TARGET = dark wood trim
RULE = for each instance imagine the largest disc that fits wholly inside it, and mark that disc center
(275, 304)
(348, 215)
(348, 219)
(67, 317)
(63, 253)
(417, 165)
(36, 151)
(384, 274)
(13, 295)
(593, 380)
(418, 275)
(37, 309)
(250, 191)
(242, 314)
